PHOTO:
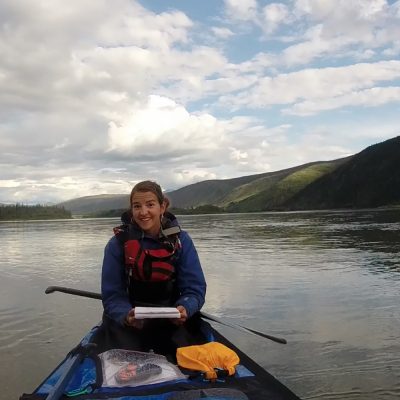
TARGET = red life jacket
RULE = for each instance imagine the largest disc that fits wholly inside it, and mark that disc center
(150, 272)
(149, 265)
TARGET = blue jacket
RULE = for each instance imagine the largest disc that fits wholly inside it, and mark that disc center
(190, 279)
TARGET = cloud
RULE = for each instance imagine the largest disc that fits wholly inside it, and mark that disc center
(94, 98)
(313, 86)
(163, 130)
(223, 33)
(241, 9)
(366, 98)
(342, 26)
(274, 15)
(152, 130)
(68, 49)
(320, 28)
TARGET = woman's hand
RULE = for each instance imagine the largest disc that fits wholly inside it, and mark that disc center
(183, 318)
(131, 321)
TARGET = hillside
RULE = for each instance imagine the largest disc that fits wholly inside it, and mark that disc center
(228, 192)
(276, 192)
(10, 212)
(208, 192)
(246, 193)
(371, 178)
(102, 202)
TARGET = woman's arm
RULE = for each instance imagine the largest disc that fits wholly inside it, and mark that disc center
(113, 282)
(190, 278)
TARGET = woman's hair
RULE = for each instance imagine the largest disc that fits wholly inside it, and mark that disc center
(153, 187)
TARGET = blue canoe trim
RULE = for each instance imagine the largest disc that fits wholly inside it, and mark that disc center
(85, 375)
(257, 383)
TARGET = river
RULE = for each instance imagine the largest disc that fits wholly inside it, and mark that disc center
(328, 282)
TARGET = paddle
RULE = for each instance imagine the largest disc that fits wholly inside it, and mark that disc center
(204, 315)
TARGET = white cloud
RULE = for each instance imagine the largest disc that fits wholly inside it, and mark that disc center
(241, 9)
(323, 9)
(321, 28)
(238, 155)
(274, 15)
(316, 85)
(9, 183)
(223, 33)
(184, 177)
(162, 127)
(68, 52)
(93, 99)
(366, 98)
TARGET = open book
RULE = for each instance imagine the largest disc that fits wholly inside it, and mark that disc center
(156, 312)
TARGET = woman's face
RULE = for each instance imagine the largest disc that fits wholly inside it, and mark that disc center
(147, 211)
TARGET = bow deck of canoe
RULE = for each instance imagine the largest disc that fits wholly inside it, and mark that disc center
(79, 377)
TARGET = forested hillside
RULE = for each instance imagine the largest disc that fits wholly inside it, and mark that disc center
(245, 193)
(94, 204)
(370, 178)
(276, 193)
(24, 212)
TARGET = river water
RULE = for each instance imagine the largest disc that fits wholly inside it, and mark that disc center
(328, 282)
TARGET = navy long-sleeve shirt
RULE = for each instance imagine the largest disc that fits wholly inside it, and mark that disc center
(190, 279)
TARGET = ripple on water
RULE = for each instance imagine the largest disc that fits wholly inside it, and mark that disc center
(328, 282)
(15, 327)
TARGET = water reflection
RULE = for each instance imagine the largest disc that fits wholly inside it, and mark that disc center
(328, 282)
(377, 234)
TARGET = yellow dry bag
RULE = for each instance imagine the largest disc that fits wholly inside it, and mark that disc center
(208, 358)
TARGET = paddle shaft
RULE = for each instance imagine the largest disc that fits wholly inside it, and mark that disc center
(76, 292)
(242, 328)
(93, 295)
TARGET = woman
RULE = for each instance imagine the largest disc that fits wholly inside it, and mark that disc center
(150, 260)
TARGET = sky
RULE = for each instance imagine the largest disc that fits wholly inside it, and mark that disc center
(97, 95)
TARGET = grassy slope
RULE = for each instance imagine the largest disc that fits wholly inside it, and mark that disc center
(371, 178)
(225, 191)
(207, 192)
(368, 179)
(103, 202)
(277, 191)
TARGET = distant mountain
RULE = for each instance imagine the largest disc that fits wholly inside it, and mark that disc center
(370, 178)
(91, 204)
(253, 192)
(13, 212)
(272, 192)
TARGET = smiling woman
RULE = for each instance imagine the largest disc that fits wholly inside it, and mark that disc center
(148, 206)
(150, 260)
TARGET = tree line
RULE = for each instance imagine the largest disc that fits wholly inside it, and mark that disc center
(38, 211)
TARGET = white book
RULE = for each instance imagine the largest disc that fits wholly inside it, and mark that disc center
(156, 312)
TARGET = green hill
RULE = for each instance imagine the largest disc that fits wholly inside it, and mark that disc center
(208, 192)
(92, 204)
(370, 178)
(31, 212)
(229, 192)
(276, 192)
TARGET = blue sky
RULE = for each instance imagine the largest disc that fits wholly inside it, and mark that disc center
(96, 96)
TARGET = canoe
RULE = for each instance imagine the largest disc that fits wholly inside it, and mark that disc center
(78, 375)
